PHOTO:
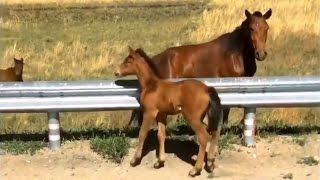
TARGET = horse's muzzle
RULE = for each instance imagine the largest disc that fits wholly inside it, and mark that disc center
(117, 73)
(260, 56)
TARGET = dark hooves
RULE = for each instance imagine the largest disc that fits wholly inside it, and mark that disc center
(209, 166)
(135, 162)
(158, 164)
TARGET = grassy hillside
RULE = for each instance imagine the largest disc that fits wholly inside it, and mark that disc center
(77, 40)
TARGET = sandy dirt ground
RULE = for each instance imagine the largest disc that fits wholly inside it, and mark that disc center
(272, 158)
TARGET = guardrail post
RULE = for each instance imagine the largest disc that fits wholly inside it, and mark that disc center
(249, 126)
(54, 130)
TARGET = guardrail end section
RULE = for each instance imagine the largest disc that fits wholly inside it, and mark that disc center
(54, 130)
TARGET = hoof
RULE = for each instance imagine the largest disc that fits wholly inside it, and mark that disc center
(158, 164)
(134, 162)
(209, 167)
(194, 172)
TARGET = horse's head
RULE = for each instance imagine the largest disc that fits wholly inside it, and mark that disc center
(18, 66)
(259, 31)
(127, 67)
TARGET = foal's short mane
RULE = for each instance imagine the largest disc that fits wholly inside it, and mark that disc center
(147, 59)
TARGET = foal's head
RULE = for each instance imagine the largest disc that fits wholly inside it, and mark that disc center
(132, 63)
(258, 27)
(18, 66)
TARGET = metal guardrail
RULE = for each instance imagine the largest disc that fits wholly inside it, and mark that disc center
(66, 96)
(123, 94)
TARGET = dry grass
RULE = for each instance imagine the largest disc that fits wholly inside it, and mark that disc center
(66, 2)
(74, 46)
(66, 61)
(25, 4)
(287, 16)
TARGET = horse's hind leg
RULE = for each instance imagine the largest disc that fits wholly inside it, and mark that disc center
(136, 118)
(202, 136)
(148, 118)
(213, 149)
(161, 138)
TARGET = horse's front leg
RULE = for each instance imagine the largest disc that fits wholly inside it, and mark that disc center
(148, 118)
(161, 119)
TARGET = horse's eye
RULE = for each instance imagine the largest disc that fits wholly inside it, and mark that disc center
(251, 29)
(127, 64)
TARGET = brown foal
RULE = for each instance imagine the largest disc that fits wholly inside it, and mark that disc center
(13, 73)
(160, 98)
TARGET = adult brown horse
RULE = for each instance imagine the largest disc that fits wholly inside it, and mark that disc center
(229, 55)
(160, 98)
(13, 73)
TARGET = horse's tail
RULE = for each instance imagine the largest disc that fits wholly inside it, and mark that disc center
(214, 110)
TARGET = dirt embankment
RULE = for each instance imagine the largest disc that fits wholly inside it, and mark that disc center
(273, 158)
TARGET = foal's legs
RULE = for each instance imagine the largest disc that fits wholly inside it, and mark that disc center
(161, 118)
(136, 118)
(148, 118)
(202, 136)
(215, 136)
(213, 149)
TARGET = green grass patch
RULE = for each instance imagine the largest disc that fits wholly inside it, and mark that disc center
(310, 161)
(115, 147)
(227, 140)
(17, 147)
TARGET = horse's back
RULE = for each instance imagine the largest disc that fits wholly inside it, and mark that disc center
(187, 61)
(6, 75)
(194, 85)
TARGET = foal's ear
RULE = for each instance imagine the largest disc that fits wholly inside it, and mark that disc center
(130, 49)
(248, 14)
(132, 52)
(268, 14)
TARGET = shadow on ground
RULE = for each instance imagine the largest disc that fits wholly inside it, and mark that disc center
(177, 131)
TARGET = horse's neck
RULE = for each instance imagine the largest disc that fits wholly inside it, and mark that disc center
(246, 48)
(146, 76)
(18, 77)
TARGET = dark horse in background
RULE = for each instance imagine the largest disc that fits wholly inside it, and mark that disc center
(229, 55)
(14, 73)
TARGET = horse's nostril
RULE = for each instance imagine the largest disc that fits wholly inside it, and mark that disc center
(116, 73)
(265, 53)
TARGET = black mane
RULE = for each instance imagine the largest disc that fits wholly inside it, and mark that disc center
(240, 40)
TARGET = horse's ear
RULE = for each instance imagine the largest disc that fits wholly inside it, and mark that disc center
(131, 51)
(268, 14)
(248, 14)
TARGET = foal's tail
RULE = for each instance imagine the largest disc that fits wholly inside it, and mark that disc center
(214, 110)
